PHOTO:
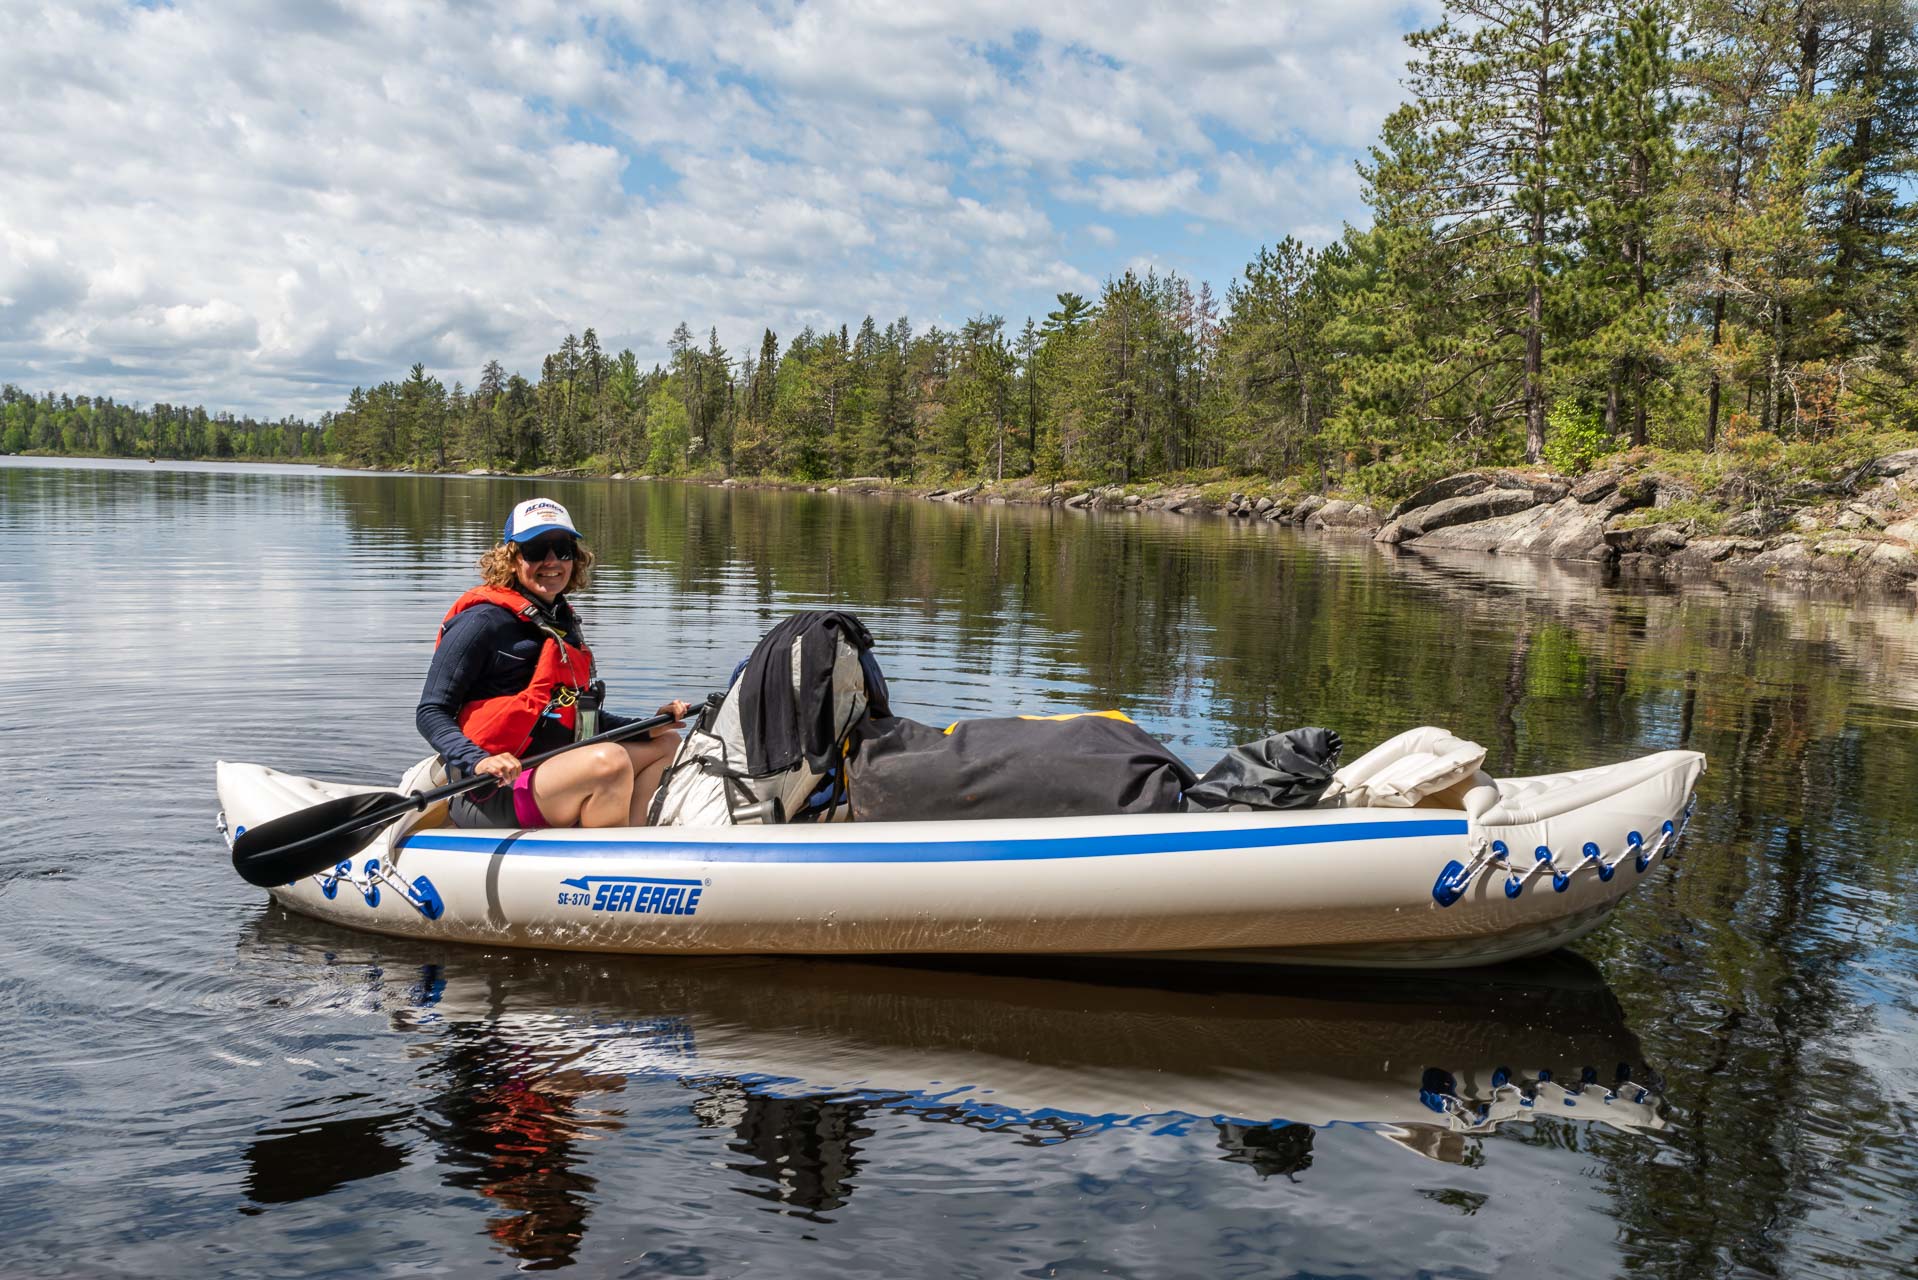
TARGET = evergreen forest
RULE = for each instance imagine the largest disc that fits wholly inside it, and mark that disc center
(1594, 226)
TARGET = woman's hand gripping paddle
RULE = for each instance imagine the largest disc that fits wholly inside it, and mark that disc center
(321, 836)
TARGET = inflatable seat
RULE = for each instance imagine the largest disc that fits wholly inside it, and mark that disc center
(1427, 765)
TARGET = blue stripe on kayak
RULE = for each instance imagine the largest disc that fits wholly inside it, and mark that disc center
(943, 850)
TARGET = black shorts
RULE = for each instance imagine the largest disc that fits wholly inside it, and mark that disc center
(490, 807)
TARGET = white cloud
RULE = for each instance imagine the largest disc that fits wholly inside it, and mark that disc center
(1148, 196)
(260, 205)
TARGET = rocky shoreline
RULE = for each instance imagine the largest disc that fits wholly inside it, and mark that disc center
(1861, 530)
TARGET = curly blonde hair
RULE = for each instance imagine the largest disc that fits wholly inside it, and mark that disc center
(500, 566)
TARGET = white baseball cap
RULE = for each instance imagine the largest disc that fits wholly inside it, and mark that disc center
(536, 516)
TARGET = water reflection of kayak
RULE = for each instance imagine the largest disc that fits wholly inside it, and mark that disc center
(1524, 865)
(1141, 1046)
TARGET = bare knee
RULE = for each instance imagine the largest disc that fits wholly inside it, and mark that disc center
(607, 763)
(650, 750)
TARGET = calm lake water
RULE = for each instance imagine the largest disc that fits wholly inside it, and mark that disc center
(193, 1082)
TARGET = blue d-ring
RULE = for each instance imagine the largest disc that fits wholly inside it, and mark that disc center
(372, 885)
(427, 898)
(1605, 871)
(1560, 879)
(1636, 843)
(1513, 884)
(330, 885)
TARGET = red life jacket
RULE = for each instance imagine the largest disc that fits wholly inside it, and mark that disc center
(506, 723)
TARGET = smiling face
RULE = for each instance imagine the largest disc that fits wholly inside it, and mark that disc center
(540, 571)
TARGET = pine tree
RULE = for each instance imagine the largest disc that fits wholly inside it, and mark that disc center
(1866, 214)
(1473, 174)
(1027, 354)
(753, 445)
(1277, 359)
(423, 418)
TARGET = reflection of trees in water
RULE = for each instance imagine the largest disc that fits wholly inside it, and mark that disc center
(1273, 1150)
(509, 1124)
(307, 1156)
(806, 1147)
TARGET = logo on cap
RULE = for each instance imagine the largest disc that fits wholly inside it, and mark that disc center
(537, 515)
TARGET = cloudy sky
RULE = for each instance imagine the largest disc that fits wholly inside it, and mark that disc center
(257, 206)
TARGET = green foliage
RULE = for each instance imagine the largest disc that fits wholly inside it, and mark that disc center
(1575, 438)
(99, 425)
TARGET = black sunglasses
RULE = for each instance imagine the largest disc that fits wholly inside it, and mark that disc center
(538, 552)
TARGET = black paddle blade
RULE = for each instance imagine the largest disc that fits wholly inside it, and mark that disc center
(313, 839)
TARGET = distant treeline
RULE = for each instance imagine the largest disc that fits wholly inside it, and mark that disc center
(1594, 225)
(85, 425)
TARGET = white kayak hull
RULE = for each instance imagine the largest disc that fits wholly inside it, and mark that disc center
(1358, 887)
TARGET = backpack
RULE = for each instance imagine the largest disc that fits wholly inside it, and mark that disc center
(772, 747)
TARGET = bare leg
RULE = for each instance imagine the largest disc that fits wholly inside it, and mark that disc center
(650, 756)
(592, 787)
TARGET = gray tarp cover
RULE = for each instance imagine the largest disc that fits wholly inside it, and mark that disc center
(1012, 768)
(1288, 770)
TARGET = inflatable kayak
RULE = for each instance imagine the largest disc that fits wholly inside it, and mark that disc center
(1486, 870)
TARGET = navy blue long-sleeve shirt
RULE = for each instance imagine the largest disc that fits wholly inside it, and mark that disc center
(486, 652)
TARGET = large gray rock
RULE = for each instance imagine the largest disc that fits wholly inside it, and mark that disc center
(1787, 556)
(1331, 513)
(1638, 491)
(1563, 530)
(1890, 560)
(1702, 553)
(1897, 464)
(1903, 530)
(1355, 515)
(1883, 496)
(1466, 509)
(1836, 553)
(1306, 508)
(1648, 539)
(1549, 489)
(1458, 486)
(1599, 484)
(1758, 522)
(1859, 516)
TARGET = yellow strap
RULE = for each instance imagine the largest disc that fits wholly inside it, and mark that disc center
(1070, 715)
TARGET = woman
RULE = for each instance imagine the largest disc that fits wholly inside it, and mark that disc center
(509, 673)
